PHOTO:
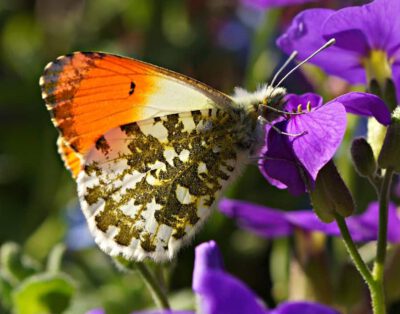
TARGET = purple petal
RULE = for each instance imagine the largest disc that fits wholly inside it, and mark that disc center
(264, 221)
(370, 220)
(276, 183)
(293, 101)
(208, 257)
(262, 161)
(353, 40)
(396, 77)
(220, 292)
(96, 311)
(304, 35)
(308, 220)
(363, 228)
(324, 129)
(280, 163)
(303, 308)
(377, 23)
(271, 223)
(366, 105)
(393, 224)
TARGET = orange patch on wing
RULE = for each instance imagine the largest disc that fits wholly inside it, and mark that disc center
(72, 160)
(91, 93)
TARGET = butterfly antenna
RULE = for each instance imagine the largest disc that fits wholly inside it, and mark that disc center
(326, 45)
(290, 59)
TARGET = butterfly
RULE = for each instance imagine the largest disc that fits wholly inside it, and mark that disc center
(151, 150)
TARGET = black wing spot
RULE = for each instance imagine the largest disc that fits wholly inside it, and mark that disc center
(132, 88)
(102, 145)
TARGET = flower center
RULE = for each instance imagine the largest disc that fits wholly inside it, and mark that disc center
(377, 66)
(301, 109)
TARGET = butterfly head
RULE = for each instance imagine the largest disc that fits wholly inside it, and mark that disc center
(261, 103)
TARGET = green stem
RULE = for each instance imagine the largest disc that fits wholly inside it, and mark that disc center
(55, 258)
(158, 294)
(376, 184)
(353, 252)
(374, 280)
(378, 298)
(383, 221)
(378, 294)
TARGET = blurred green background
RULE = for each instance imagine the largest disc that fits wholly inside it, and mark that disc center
(219, 42)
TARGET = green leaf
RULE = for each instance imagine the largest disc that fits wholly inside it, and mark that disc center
(45, 293)
(5, 292)
(15, 265)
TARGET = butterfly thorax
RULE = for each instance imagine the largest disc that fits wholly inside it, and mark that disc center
(254, 110)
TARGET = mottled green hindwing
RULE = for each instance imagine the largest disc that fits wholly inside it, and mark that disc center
(147, 186)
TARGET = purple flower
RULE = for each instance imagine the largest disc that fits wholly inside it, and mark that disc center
(101, 311)
(315, 136)
(78, 236)
(220, 292)
(366, 36)
(264, 4)
(273, 223)
(96, 311)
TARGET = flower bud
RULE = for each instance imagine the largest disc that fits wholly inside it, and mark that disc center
(374, 88)
(389, 156)
(363, 157)
(390, 96)
(331, 194)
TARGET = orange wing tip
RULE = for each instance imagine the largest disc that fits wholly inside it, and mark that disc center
(72, 160)
(90, 93)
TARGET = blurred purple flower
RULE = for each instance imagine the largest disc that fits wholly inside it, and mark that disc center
(273, 223)
(362, 33)
(220, 292)
(78, 236)
(232, 35)
(265, 4)
(316, 135)
(96, 311)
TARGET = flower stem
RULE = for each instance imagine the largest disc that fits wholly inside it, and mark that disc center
(158, 294)
(374, 280)
(378, 298)
(376, 291)
(377, 294)
(353, 252)
(383, 222)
